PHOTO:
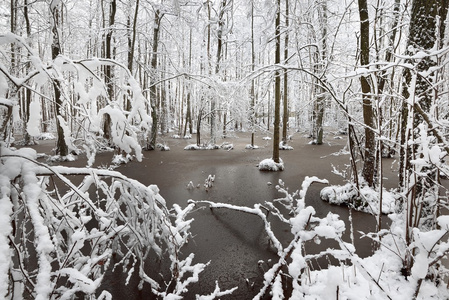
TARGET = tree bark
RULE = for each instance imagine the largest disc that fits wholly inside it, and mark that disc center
(320, 101)
(27, 92)
(427, 27)
(368, 118)
(108, 69)
(426, 17)
(277, 86)
(153, 91)
(252, 111)
(61, 146)
(285, 95)
(132, 31)
(213, 115)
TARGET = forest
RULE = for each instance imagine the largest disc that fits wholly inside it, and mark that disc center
(126, 76)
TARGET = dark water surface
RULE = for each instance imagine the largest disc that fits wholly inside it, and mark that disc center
(233, 242)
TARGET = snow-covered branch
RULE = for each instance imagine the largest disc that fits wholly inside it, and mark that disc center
(77, 231)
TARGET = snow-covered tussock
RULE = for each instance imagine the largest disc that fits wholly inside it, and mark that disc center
(270, 165)
(227, 146)
(251, 147)
(203, 147)
(209, 182)
(284, 146)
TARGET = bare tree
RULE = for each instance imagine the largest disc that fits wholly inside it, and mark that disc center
(27, 92)
(220, 27)
(427, 29)
(158, 15)
(61, 145)
(368, 117)
(420, 92)
(285, 94)
(277, 85)
(252, 111)
(132, 31)
(108, 72)
(320, 61)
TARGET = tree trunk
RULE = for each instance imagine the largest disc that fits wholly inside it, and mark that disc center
(131, 44)
(285, 112)
(368, 118)
(6, 110)
(422, 36)
(61, 146)
(320, 101)
(108, 69)
(213, 115)
(188, 116)
(277, 86)
(12, 28)
(27, 92)
(163, 106)
(198, 127)
(188, 108)
(252, 111)
(427, 27)
(153, 91)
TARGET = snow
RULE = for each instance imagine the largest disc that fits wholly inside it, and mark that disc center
(270, 165)
(443, 221)
(227, 146)
(122, 135)
(436, 155)
(284, 146)
(203, 147)
(33, 126)
(366, 199)
(190, 185)
(60, 236)
(375, 277)
(81, 280)
(46, 136)
(216, 293)
(121, 159)
(7, 102)
(6, 209)
(56, 219)
(186, 137)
